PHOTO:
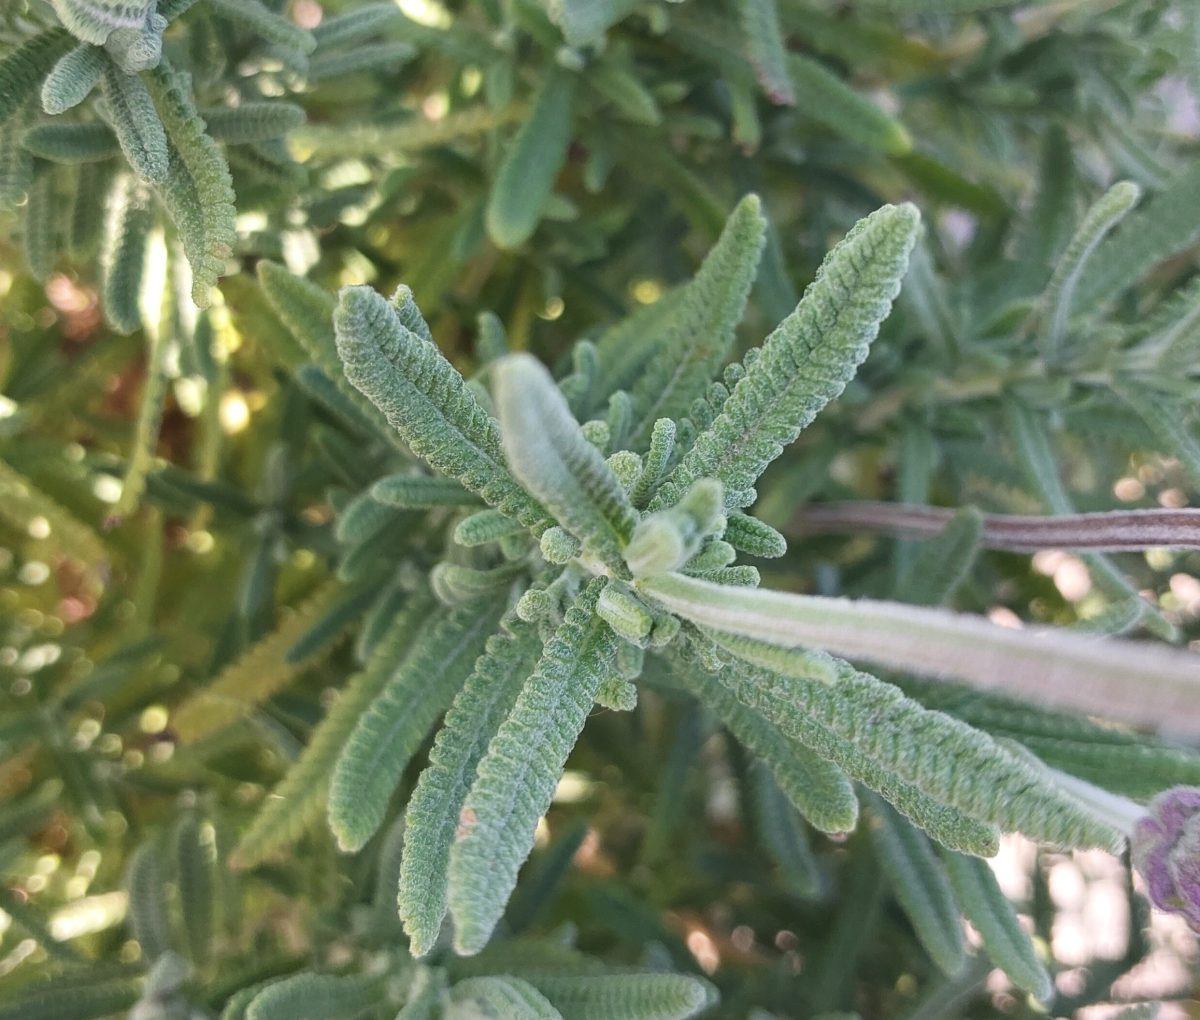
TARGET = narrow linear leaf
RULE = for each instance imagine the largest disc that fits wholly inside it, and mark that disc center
(71, 143)
(497, 998)
(252, 122)
(1005, 941)
(941, 564)
(830, 101)
(261, 19)
(56, 1000)
(390, 732)
(195, 867)
(427, 402)
(1059, 297)
(1166, 224)
(816, 787)
(768, 54)
(39, 226)
(23, 69)
(920, 885)
(526, 176)
(259, 673)
(433, 813)
(21, 502)
(72, 78)
(780, 832)
(198, 190)
(355, 25)
(549, 455)
(517, 777)
(381, 56)
(901, 740)
(699, 334)
(310, 996)
(299, 800)
(807, 360)
(129, 222)
(136, 122)
(626, 996)
(146, 886)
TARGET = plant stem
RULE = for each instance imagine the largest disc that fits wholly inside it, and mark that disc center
(1115, 531)
(1143, 684)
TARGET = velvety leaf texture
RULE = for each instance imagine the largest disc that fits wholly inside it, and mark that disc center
(524, 761)
(809, 358)
(425, 400)
(390, 731)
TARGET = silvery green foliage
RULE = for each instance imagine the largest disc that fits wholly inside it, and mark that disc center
(805, 363)
(536, 495)
(817, 723)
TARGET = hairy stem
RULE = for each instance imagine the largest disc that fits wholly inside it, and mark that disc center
(1142, 684)
(1115, 531)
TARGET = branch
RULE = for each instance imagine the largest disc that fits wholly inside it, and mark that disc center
(1115, 531)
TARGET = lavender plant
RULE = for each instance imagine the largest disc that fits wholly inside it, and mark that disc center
(567, 654)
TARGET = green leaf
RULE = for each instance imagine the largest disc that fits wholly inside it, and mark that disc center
(146, 886)
(94, 21)
(198, 190)
(73, 1000)
(816, 787)
(417, 492)
(23, 69)
(497, 998)
(1059, 296)
(517, 777)
(39, 227)
(806, 361)
(1036, 457)
(484, 702)
(1005, 941)
(72, 78)
(261, 19)
(382, 56)
(355, 25)
(1166, 224)
(71, 143)
(699, 333)
(252, 122)
(626, 996)
(947, 760)
(390, 732)
(768, 52)
(21, 502)
(427, 402)
(584, 22)
(780, 832)
(942, 563)
(137, 124)
(550, 457)
(920, 886)
(195, 867)
(823, 96)
(301, 797)
(258, 674)
(309, 996)
(525, 180)
(130, 220)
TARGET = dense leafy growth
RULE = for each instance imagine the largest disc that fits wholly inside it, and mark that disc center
(592, 510)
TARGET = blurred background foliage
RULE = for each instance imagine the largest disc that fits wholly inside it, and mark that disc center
(664, 848)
